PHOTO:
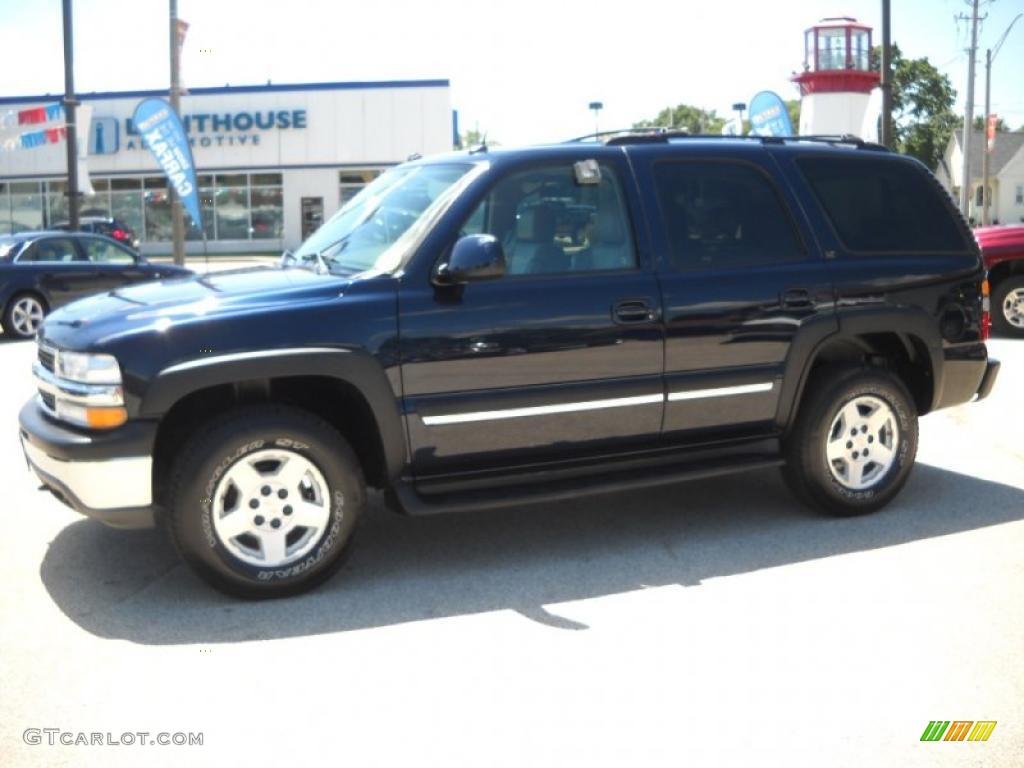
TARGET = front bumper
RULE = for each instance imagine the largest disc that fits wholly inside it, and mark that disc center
(106, 476)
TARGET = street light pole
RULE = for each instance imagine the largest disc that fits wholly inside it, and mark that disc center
(990, 55)
(177, 221)
(71, 134)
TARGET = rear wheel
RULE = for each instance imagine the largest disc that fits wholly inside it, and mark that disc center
(854, 441)
(1008, 306)
(23, 315)
(264, 501)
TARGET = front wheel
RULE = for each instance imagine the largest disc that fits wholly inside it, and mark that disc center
(854, 441)
(263, 502)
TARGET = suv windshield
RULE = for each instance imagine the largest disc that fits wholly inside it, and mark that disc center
(356, 238)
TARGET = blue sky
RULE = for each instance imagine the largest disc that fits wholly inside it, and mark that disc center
(524, 71)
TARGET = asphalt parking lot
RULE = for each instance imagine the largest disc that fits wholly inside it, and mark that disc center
(715, 623)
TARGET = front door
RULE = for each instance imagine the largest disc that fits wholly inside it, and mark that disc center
(742, 277)
(559, 358)
(65, 273)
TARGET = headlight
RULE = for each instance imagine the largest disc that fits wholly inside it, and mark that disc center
(88, 368)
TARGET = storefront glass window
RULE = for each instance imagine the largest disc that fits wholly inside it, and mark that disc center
(267, 213)
(27, 205)
(126, 204)
(231, 198)
(98, 203)
(5, 209)
(205, 210)
(57, 200)
(351, 182)
(157, 206)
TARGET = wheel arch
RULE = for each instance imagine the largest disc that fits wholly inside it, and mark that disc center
(1003, 270)
(913, 353)
(347, 388)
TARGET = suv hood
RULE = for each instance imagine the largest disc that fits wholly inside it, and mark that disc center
(162, 302)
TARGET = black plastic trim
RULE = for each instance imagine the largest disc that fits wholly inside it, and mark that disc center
(989, 379)
(67, 443)
(353, 366)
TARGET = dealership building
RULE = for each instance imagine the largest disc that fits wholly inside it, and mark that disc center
(273, 161)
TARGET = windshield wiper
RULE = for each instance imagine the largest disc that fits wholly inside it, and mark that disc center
(289, 259)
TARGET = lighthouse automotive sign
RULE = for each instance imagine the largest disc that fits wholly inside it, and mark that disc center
(162, 132)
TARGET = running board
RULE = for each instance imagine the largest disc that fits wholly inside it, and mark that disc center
(412, 502)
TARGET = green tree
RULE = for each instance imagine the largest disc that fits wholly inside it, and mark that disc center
(474, 138)
(979, 124)
(793, 107)
(922, 106)
(686, 117)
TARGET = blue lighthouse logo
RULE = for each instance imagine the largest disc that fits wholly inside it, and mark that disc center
(103, 136)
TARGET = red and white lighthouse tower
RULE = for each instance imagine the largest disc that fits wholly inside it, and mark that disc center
(837, 80)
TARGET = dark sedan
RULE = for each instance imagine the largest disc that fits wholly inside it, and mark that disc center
(40, 271)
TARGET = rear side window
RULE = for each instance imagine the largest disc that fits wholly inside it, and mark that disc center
(879, 206)
(723, 215)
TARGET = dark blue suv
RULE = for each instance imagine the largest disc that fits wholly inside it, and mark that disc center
(494, 328)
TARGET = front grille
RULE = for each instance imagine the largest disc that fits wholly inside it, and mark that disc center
(46, 357)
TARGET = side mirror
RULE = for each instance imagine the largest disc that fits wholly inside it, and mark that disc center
(474, 258)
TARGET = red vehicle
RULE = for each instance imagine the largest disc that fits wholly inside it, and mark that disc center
(1003, 250)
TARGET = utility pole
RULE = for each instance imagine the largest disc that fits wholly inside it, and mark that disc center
(71, 134)
(990, 55)
(177, 222)
(965, 144)
(886, 129)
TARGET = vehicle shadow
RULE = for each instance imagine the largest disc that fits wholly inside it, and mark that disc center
(130, 585)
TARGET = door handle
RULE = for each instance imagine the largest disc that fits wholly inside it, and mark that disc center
(633, 311)
(797, 298)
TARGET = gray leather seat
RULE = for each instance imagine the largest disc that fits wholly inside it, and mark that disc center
(610, 248)
(534, 250)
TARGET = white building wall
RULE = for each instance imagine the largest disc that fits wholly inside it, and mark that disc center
(298, 184)
(1010, 178)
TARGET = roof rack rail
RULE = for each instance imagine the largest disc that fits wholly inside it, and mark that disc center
(663, 135)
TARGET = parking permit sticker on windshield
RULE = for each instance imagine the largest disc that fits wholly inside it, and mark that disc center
(587, 172)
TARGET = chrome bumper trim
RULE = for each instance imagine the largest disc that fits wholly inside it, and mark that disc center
(109, 484)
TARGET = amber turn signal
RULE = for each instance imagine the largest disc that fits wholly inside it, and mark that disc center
(106, 418)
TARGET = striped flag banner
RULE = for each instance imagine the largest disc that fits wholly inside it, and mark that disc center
(32, 116)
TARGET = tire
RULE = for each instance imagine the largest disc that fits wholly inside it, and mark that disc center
(23, 315)
(278, 467)
(840, 477)
(1008, 307)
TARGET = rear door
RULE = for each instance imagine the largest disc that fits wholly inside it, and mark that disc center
(115, 265)
(742, 278)
(563, 356)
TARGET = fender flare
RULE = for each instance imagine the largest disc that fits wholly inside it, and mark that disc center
(852, 323)
(353, 366)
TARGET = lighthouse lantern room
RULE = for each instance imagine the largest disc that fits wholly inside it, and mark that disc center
(837, 79)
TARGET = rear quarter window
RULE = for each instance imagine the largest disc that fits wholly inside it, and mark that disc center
(881, 206)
